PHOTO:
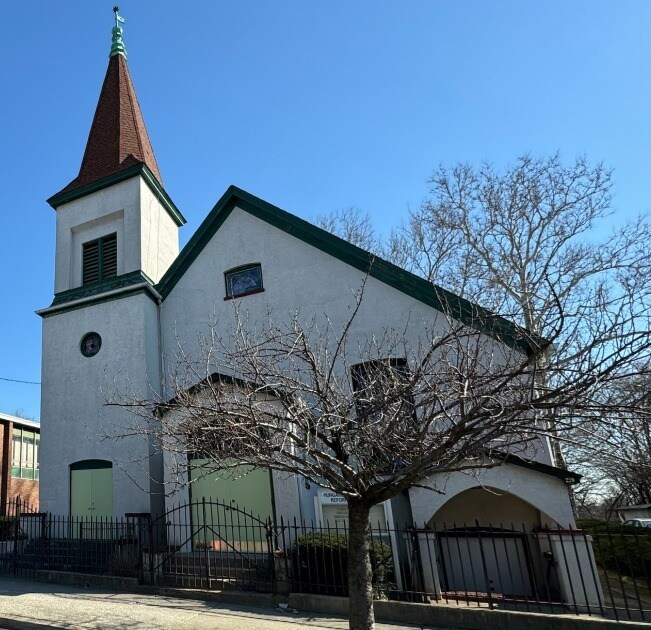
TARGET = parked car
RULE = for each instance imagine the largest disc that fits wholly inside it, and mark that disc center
(638, 522)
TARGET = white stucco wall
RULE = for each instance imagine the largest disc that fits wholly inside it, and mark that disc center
(74, 418)
(296, 277)
(159, 235)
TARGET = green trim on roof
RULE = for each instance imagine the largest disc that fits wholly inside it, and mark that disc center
(88, 290)
(418, 288)
(216, 377)
(138, 169)
(100, 299)
(565, 476)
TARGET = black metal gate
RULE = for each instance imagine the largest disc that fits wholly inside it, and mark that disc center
(213, 545)
(485, 562)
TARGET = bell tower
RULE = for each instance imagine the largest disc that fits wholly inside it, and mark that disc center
(116, 235)
(118, 191)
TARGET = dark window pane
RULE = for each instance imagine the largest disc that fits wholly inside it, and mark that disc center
(109, 256)
(243, 281)
(91, 262)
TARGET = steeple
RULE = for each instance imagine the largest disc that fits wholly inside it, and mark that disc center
(118, 138)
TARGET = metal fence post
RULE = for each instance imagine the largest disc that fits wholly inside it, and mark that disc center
(16, 535)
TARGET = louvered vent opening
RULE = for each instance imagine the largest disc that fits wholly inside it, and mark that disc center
(109, 256)
(100, 259)
(91, 262)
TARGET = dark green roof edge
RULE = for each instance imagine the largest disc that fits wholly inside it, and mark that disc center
(89, 290)
(138, 169)
(420, 289)
(99, 299)
(546, 469)
(215, 377)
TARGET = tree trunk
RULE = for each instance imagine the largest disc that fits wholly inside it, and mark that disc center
(360, 586)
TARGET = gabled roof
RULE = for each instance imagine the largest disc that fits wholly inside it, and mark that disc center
(118, 137)
(418, 288)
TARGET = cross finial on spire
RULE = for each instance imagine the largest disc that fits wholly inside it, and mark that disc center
(117, 45)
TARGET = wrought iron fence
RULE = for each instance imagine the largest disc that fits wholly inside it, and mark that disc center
(32, 541)
(603, 571)
(507, 567)
(211, 544)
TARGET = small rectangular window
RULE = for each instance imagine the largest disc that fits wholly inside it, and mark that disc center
(100, 259)
(24, 454)
(243, 281)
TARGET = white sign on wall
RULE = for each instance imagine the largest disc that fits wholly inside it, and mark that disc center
(332, 509)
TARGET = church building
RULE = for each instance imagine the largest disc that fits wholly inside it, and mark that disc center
(125, 299)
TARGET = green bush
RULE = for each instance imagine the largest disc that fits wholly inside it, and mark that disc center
(620, 548)
(320, 564)
(7, 527)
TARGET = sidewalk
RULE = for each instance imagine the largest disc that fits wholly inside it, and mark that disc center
(28, 605)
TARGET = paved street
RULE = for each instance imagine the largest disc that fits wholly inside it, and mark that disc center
(33, 605)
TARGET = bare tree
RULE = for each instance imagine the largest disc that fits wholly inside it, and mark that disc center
(520, 242)
(353, 226)
(626, 480)
(369, 417)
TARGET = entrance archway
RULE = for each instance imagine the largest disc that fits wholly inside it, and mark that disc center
(485, 543)
(487, 507)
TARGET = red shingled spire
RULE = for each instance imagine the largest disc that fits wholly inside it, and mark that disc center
(118, 137)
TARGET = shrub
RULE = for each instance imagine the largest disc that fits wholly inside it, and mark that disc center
(320, 564)
(7, 527)
(620, 547)
(122, 561)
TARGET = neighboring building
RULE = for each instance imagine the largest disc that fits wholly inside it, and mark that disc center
(125, 298)
(19, 461)
(634, 511)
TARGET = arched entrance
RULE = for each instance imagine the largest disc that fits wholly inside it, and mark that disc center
(485, 544)
(91, 489)
(488, 507)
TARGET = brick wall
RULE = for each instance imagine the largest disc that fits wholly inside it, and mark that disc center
(3, 467)
(11, 488)
(5, 462)
(26, 489)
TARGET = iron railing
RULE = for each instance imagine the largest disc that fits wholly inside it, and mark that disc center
(605, 571)
(32, 541)
(503, 566)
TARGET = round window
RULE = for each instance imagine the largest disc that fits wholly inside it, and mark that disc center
(90, 344)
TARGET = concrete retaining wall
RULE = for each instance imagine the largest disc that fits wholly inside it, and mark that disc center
(461, 617)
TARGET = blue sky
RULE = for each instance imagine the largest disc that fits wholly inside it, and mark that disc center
(314, 106)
